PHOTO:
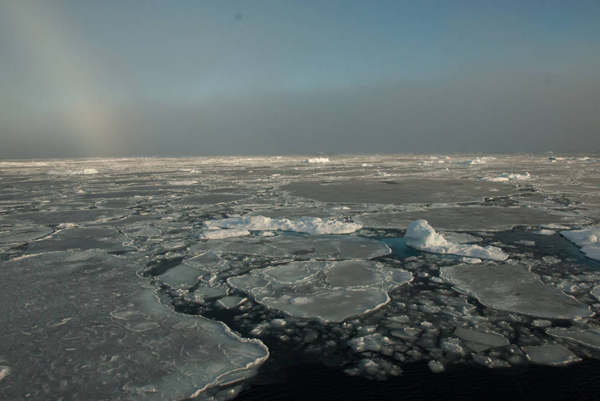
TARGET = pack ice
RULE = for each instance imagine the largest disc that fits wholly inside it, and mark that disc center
(371, 261)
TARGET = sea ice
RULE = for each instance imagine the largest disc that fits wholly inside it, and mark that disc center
(423, 237)
(514, 288)
(588, 239)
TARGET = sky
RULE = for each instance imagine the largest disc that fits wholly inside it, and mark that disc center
(111, 78)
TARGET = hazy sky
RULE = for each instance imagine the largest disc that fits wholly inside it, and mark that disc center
(170, 78)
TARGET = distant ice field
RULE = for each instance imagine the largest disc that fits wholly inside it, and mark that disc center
(162, 279)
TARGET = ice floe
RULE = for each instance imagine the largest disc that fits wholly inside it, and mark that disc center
(326, 291)
(514, 288)
(589, 338)
(100, 323)
(553, 354)
(423, 237)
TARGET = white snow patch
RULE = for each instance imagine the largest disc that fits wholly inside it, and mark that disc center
(423, 237)
(310, 225)
(506, 177)
(221, 234)
(588, 239)
(317, 160)
(183, 182)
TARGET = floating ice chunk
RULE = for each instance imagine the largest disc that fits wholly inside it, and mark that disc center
(422, 236)
(221, 234)
(545, 232)
(329, 305)
(327, 291)
(371, 342)
(554, 355)
(436, 366)
(310, 225)
(353, 273)
(4, 371)
(452, 346)
(183, 182)
(85, 171)
(596, 292)
(230, 302)
(23, 234)
(551, 260)
(588, 239)
(514, 288)
(407, 334)
(317, 160)
(181, 276)
(589, 338)
(482, 337)
(506, 177)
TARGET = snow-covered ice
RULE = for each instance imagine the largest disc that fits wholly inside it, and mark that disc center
(422, 236)
(588, 239)
(310, 225)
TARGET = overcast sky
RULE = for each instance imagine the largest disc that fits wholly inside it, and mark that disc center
(185, 78)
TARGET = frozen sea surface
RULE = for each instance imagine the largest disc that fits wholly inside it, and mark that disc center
(169, 278)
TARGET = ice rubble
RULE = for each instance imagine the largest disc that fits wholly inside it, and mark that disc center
(588, 239)
(310, 225)
(423, 237)
(514, 288)
(88, 316)
(326, 291)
